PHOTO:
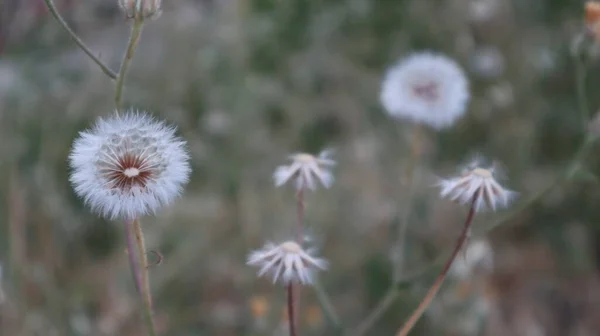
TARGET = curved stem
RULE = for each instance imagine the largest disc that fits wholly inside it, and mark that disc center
(134, 38)
(144, 279)
(416, 315)
(388, 299)
(290, 306)
(78, 41)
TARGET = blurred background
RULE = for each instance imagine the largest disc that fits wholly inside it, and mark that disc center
(248, 82)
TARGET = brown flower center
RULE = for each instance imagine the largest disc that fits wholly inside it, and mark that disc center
(129, 171)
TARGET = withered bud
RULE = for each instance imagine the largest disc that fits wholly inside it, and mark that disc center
(145, 9)
(592, 18)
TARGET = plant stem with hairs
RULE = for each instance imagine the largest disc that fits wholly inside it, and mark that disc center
(416, 315)
(52, 8)
(134, 38)
(144, 279)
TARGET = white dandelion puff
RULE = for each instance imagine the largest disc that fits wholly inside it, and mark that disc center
(479, 185)
(128, 165)
(306, 169)
(426, 88)
(287, 262)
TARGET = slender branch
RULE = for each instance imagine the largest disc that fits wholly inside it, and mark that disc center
(388, 300)
(416, 315)
(290, 306)
(327, 306)
(134, 39)
(52, 8)
(415, 153)
(144, 279)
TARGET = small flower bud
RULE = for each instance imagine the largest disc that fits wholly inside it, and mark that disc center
(146, 9)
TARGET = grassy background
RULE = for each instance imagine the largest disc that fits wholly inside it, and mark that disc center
(249, 81)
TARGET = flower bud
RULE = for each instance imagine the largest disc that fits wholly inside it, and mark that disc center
(145, 9)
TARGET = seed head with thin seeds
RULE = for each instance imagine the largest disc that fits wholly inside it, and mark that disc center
(479, 185)
(287, 262)
(128, 165)
(306, 170)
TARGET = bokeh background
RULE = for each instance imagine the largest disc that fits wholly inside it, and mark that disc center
(248, 82)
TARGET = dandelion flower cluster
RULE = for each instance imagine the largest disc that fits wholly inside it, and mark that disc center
(287, 261)
(306, 169)
(128, 165)
(426, 88)
(479, 186)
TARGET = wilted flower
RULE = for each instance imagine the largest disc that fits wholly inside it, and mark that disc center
(305, 169)
(147, 9)
(478, 186)
(288, 261)
(128, 165)
(426, 88)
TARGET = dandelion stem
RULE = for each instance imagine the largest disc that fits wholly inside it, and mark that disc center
(416, 315)
(415, 153)
(142, 277)
(134, 38)
(78, 41)
(134, 263)
(300, 214)
(290, 306)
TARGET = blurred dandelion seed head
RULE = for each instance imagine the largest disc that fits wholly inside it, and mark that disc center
(479, 185)
(426, 88)
(287, 261)
(128, 165)
(306, 169)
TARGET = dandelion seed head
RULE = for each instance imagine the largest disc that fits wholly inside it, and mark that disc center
(426, 88)
(129, 165)
(287, 262)
(306, 169)
(477, 185)
(147, 9)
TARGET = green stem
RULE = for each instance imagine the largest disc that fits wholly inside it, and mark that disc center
(78, 41)
(134, 38)
(327, 307)
(144, 282)
(415, 153)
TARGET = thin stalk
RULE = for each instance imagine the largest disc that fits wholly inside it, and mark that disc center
(134, 263)
(300, 215)
(415, 153)
(416, 315)
(52, 8)
(134, 38)
(327, 307)
(388, 300)
(290, 306)
(144, 279)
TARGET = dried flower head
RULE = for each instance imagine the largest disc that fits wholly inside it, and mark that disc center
(426, 88)
(128, 165)
(287, 261)
(146, 9)
(305, 169)
(478, 186)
